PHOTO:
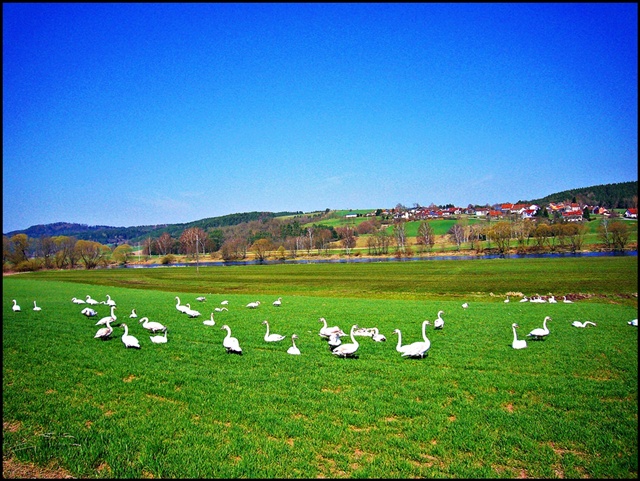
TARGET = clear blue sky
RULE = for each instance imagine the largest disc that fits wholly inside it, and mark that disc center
(138, 114)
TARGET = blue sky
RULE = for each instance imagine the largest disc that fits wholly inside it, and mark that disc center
(138, 114)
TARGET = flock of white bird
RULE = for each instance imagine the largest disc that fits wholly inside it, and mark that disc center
(331, 334)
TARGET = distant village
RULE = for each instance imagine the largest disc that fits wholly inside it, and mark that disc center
(571, 212)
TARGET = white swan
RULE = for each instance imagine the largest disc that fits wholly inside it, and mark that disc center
(566, 301)
(77, 301)
(400, 347)
(363, 331)
(517, 343)
(87, 311)
(16, 307)
(129, 341)
(540, 332)
(180, 307)
(112, 317)
(36, 308)
(524, 299)
(191, 312)
(633, 322)
(201, 299)
(349, 349)
(231, 344)
(552, 300)
(537, 299)
(152, 326)
(327, 331)
(272, 337)
(159, 339)
(220, 309)
(209, 322)
(224, 303)
(293, 349)
(465, 305)
(377, 336)
(278, 302)
(104, 332)
(109, 301)
(91, 301)
(439, 322)
(582, 324)
(253, 305)
(419, 349)
(334, 340)
(506, 300)
(133, 314)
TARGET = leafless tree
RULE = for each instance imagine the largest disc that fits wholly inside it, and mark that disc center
(426, 237)
(164, 243)
(399, 233)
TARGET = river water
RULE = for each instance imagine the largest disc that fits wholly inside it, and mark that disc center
(389, 259)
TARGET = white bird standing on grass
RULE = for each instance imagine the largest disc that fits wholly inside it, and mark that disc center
(253, 305)
(506, 300)
(77, 301)
(36, 308)
(91, 301)
(582, 324)
(112, 317)
(278, 302)
(209, 322)
(224, 303)
(349, 349)
(439, 322)
(540, 332)
(517, 343)
(128, 340)
(293, 349)
(16, 307)
(400, 348)
(327, 331)
(231, 344)
(191, 312)
(201, 299)
(419, 349)
(377, 336)
(159, 339)
(271, 337)
(152, 325)
(133, 314)
(109, 301)
(179, 306)
(465, 305)
(104, 332)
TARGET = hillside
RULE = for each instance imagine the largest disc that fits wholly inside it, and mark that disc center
(620, 196)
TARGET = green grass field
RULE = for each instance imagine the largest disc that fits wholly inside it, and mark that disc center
(474, 407)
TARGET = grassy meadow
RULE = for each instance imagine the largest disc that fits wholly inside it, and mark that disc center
(474, 407)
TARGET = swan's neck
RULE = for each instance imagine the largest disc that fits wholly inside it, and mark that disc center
(267, 324)
(424, 332)
(126, 330)
(399, 341)
(353, 339)
(515, 336)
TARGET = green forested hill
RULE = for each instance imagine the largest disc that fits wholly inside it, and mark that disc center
(611, 196)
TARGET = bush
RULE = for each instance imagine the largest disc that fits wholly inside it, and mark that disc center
(168, 259)
(29, 265)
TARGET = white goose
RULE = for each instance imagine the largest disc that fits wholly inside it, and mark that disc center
(16, 307)
(278, 302)
(231, 344)
(517, 343)
(400, 348)
(209, 322)
(87, 311)
(104, 332)
(191, 312)
(419, 349)
(152, 325)
(159, 339)
(112, 317)
(327, 331)
(91, 301)
(349, 349)
(133, 314)
(77, 301)
(582, 324)
(566, 301)
(633, 322)
(552, 300)
(272, 337)
(129, 341)
(540, 332)
(293, 349)
(377, 336)
(109, 301)
(180, 307)
(334, 340)
(439, 322)
(36, 308)
(253, 305)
